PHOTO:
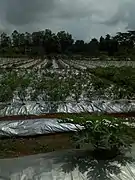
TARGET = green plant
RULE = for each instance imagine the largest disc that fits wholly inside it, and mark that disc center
(105, 136)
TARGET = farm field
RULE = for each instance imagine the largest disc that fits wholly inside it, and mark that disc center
(53, 86)
(63, 62)
(29, 86)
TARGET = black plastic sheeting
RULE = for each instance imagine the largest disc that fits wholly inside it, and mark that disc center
(68, 165)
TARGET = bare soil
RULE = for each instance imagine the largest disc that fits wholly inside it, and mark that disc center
(16, 147)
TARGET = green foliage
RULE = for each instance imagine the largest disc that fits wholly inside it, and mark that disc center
(8, 84)
(101, 133)
(122, 79)
(106, 83)
(46, 42)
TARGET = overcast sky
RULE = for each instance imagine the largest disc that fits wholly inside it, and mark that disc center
(83, 18)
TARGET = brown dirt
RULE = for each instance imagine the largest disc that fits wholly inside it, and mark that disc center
(16, 147)
(60, 115)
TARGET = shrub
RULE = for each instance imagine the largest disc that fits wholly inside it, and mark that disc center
(107, 137)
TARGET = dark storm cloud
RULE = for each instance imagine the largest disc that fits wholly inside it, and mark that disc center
(125, 14)
(21, 12)
(82, 18)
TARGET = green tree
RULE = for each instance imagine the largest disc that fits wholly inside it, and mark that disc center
(5, 43)
(65, 40)
(28, 43)
(93, 47)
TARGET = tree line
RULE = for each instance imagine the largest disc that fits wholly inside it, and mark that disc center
(46, 42)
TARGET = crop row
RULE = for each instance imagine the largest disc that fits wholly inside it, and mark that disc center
(58, 85)
(56, 63)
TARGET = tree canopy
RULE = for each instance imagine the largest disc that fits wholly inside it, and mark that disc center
(46, 42)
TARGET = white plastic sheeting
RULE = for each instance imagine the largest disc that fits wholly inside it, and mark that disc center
(35, 127)
(67, 165)
(94, 64)
(42, 107)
